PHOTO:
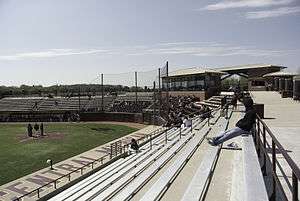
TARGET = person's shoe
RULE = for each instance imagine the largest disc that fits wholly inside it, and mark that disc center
(211, 142)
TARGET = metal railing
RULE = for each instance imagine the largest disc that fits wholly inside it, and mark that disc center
(115, 150)
(262, 136)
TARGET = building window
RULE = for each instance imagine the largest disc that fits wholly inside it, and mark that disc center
(258, 83)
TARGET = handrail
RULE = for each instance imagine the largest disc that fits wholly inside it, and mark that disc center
(261, 147)
(68, 175)
(290, 161)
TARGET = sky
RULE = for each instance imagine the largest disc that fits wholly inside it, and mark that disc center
(73, 41)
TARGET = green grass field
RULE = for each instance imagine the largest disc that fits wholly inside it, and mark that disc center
(20, 156)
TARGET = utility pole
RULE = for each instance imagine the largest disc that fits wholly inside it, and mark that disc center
(167, 91)
(154, 105)
(79, 103)
(136, 98)
(159, 92)
(102, 93)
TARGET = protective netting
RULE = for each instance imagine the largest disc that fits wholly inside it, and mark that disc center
(125, 92)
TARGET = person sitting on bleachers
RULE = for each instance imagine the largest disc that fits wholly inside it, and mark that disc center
(134, 146)
(243, 126)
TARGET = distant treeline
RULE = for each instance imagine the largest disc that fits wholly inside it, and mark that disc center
(65, 90)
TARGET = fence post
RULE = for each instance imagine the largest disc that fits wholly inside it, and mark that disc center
(150, 142)
(264, 167)
(111, 151)
(273, 197)
(295, 187)
(180, 132)
(258, 141)
(38, 192)
(191, 126)
(166, 136)
(208, 121)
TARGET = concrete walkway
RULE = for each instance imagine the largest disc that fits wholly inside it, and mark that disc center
(33, 181)
(282, 116)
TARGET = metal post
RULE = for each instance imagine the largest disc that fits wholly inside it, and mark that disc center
(191, 126)
(295, 187)
(273, 197)
(79, 103)
(154, 105)
(264, 167)
(180, 132)
(167, 90)
(102, 93)
(208, 121)
(111, 151)
(135, 77)
(159, 91)
(150, 142)
(166, 136)
(258, 141)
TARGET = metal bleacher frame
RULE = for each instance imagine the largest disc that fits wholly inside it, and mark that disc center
(200, 180)
(154, 158)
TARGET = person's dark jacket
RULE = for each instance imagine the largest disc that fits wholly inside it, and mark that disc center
(134, 145)
(248, 120)
(223, 101)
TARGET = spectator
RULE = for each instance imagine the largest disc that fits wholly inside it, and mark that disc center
(36, 128)
(223, 102)
(243, 126)
(42, 129)
(134, 146)
(29, 130)
(234, 101)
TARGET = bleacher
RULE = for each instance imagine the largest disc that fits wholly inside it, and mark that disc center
(18, 104)
(150, 174)
(53, 104)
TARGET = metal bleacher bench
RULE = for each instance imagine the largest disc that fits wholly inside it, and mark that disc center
(254, 186)
(112, 179)
(200, 180)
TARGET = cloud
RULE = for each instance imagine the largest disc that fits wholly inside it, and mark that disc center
(273, 13)
(226, 4)
(208, 49)
(51, 53)
(201, 49)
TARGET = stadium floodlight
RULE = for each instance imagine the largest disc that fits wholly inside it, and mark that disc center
(49, 161)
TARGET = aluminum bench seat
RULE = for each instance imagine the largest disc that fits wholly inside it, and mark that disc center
(167, 176)
(156, 164)
(197, 186)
